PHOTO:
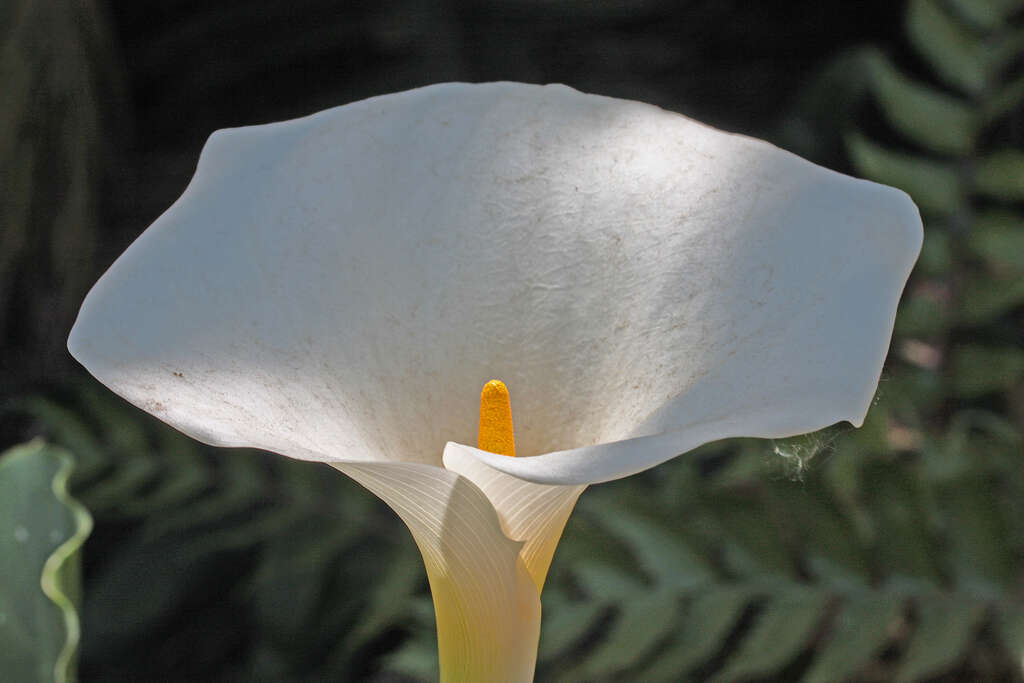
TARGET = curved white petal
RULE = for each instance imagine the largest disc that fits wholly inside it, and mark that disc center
(340, 286)
(486, 604)
(533, 513)
(816, 336)
(608, 461)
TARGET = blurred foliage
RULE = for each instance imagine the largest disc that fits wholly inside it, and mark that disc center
(42, 530)
(222, 566)
(890, 553)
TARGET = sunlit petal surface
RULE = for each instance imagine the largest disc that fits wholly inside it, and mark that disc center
(338, 287)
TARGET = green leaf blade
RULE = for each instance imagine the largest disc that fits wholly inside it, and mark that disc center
(781, 632)
(860, 630)
(935, 186)
(1001, 175)
(42, 530)
(944, 632)
(952, 50)
(709, 619)
(933, 119)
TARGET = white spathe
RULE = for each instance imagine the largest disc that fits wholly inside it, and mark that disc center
(487, 540)
(339, 287)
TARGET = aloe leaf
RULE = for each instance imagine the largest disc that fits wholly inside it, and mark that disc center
(42, 530)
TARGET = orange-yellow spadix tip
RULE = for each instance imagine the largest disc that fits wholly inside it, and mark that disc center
(495, 434)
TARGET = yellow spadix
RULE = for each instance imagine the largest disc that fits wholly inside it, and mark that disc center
(495, 433)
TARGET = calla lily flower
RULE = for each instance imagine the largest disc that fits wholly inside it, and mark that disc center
(338, 287)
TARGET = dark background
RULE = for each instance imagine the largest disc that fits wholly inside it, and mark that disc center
(142, 84)
(209, 565)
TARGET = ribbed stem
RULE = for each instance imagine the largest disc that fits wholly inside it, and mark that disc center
(486, 603)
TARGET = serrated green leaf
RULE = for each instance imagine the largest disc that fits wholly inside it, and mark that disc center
(986, 14)
(987, 297)
(997, 237)
(781, 631)
(140, 585)
(976, 533)
(642, 622)
(121, 486)
(915, 389)
(66, 428)
(42, 530)
(946, 458)
(244, 481)
(921, 314)
(903, 546)
(860, 630)
(661, 555)
(416, 659)
(945, 629)
(1003, 101)
(241, 535)
(585, 538)
(828, 539)
(389, 601)
(951, 48)
(934, 185)
(565, 624)
(1001, 428)
(708, 620)
(286, 588)
(826, 105)
(745, 468)
(185, 476)
(120, 425)
(1001, 175)
(605, 582)
(936, 253)
(937, 121)
(978, 370)
(751, 539)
